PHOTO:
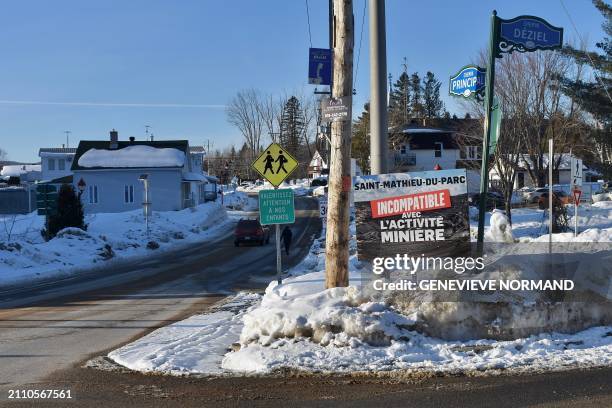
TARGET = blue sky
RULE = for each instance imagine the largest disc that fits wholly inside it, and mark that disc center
(201, 52)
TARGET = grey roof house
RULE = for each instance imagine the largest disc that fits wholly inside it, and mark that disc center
(109, 171)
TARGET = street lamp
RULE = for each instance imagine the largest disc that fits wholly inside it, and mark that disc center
(146, 204)
(81, 186)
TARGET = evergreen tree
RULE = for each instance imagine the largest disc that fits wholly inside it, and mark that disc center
(416, 102)
(69, 212)
(292, 126)
(399, 101)
(592, 96)
(360, 143)
(432, 104)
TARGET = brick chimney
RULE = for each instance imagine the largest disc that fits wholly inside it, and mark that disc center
(114, 138)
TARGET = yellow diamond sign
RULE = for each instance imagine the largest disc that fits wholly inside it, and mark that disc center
(275, 164)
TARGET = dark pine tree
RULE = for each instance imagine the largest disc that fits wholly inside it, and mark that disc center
(69, 212)
(416, 102)
(432, 104)
(360, 143)
(592, 96)
(399, 101)
(292, 126)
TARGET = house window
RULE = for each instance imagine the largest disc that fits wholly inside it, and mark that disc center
(93, 194)
(128, 194)
(51, 164)
(472, 152)
(437, 149)
(61, 164)
(403, 149)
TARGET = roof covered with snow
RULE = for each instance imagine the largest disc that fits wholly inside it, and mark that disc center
(16, 170)
(130, 154)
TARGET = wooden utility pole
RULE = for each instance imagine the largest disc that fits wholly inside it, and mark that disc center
(339, 184)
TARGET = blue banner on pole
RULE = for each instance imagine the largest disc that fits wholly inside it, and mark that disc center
(528, 33)
(468, 82)
(319, 66)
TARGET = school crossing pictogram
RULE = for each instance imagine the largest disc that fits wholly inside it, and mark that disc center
(275, 164)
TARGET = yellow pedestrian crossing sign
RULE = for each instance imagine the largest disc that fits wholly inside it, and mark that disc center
(275, 164)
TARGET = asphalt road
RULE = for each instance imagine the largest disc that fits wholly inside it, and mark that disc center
(53, 326)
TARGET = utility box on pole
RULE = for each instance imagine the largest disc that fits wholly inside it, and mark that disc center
(338, 211)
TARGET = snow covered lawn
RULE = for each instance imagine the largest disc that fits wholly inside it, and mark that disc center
(303, 327)
(25, 256)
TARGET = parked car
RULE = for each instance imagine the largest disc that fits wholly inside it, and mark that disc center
(318, 182)
(534, 196)
(494, 200)
(248, 230)
(558, 196)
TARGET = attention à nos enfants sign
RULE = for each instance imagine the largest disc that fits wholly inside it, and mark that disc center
(424, 213)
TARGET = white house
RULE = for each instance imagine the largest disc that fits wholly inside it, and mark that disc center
(24, 173)
(424, 149)
(562, 175)
(56, 162)
(316, 166)
(109, 173)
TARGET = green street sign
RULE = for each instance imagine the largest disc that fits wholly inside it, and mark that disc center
(276, 206)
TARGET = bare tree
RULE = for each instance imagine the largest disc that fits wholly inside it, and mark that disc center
(244, 112)
(534, 110)
(270, 109)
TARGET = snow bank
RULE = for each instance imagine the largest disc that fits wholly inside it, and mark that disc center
(239, 201)
(25, 256)
(133, 156)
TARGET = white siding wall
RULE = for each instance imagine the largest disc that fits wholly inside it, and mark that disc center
(47, 173)
(164, 189)
(426, 160)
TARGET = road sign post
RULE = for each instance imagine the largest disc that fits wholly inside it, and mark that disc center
(276, 206)
(522, 34)
(576, 184)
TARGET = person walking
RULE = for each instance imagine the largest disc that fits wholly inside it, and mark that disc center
(286, 237)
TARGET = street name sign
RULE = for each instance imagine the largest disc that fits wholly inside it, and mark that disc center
(528, 33)
(319, 66)
(468, 82)
(333, 109)
(576, 171)
(275, 164)
(276, 206)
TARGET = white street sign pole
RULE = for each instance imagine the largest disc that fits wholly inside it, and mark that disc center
(278, 254)
(550, 194)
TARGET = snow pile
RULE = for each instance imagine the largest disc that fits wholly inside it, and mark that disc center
(338, 316)
(25, 256)
(500, 229)
(133, 156)
(239, 201)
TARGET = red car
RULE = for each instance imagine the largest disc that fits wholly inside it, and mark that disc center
(251, 231)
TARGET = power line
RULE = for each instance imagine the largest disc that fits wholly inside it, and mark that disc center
(308, 19)
(360, 39)
(586, 52)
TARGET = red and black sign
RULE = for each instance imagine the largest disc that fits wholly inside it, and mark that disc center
(418, 214)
